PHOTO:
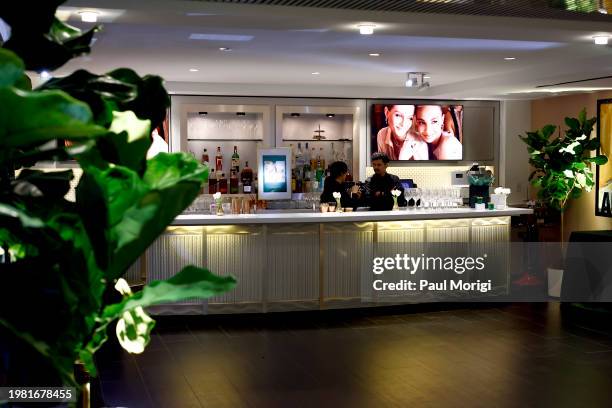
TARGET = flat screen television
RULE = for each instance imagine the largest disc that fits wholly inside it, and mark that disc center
(420, 131)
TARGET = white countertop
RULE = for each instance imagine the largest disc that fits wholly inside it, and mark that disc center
(359, 216)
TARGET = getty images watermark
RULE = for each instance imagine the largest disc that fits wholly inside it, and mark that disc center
(411, 265)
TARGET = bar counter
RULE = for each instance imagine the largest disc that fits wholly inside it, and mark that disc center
(291, 261)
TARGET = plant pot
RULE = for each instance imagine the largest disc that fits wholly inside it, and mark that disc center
(555, 278)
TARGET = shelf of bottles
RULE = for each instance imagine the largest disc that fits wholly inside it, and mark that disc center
(316, 140)
(228, 143)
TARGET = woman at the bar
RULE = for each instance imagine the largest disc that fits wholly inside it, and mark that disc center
(334, 183)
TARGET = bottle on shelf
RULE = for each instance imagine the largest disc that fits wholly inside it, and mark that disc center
(233, 185)
(219, 160)
(293, 181)
(236, 160)
(319, 175)
(306, 154)
(299, 160)
(322, 157)
(205, 159)
(246, 176)
(222, 184)
(212, 182)
(313, 159)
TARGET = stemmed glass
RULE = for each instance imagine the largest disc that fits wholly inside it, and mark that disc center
(418, 198)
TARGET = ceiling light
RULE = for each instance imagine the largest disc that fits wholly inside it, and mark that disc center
(295, 115)
(220, 37)
(366, 29)
(330, 115)
(316, 73)
(89, 16)
(44, 75)
(601, 39)
(409, 83)
(193, 70)
(510, 58)
(374, 54)
(416, 80)
(202, 113)
(241, 113)
(224, 49)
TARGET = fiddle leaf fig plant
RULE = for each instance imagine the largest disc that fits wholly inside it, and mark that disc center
(562, 164)
(62, 260)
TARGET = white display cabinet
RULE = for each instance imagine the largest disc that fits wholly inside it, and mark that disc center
(331, 130)
(198, 126)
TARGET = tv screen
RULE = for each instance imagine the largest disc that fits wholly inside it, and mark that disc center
(420, 131)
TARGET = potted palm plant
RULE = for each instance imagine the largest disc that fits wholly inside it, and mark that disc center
(61, 283)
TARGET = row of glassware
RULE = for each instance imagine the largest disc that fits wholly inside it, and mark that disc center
(433, 198)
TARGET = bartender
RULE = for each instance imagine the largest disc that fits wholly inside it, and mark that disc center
(378, 187)
(334, 183)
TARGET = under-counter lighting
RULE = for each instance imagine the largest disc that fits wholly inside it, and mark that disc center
(601, 39)
(366, 29)
(89, 16)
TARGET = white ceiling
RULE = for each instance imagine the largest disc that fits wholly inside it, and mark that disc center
(463, 54)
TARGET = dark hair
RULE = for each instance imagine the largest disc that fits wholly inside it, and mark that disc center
(380, 156)
(337, 169)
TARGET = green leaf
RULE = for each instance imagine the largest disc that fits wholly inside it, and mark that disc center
(582, 116)
(547, 131)
(191, 282)
(592, 144)
(9, 213)
(152, 99)
(32, 118)
(572, 123)
(599, 160)
(101, 92)
(11, 68)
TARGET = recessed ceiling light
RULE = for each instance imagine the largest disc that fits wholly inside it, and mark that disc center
(510, 58)
(203, 113)
(374, 54)
(295, 115)
(45, 75)
(241, 113)
(193, 70)
(220, 37)
(316, 73)
(366, 29)
(224, 49)
(89, 16)
(601, 39)
(330, 115)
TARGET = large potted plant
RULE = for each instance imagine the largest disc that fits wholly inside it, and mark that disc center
(60, 280)
(563, 164)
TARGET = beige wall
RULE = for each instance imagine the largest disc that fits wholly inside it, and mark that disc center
(580, 214)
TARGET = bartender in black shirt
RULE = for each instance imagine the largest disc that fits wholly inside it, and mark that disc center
(378, 187)
(335, 183)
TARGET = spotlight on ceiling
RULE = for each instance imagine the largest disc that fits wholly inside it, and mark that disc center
(601, 39)
(330, 115)
(241, 113)
(202, 113)
(295, 115)
(44, 75)
(366, 29)
(89, 16)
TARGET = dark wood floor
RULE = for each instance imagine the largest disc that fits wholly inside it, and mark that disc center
(521, 355)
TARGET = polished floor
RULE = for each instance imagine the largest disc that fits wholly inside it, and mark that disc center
(518, 355)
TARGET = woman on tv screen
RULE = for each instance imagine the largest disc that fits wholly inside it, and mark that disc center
(399, 134)
(433, 128)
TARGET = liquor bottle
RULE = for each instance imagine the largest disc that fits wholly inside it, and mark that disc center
(212, 182)
(299, 160)
(233, 185)
(222, 184)
(205, 159)
(322, 157)
(293, 182)
(313, 159)
(236, 160)
(247, 179)
(219, 160)
(320, 173)
(306, 154)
